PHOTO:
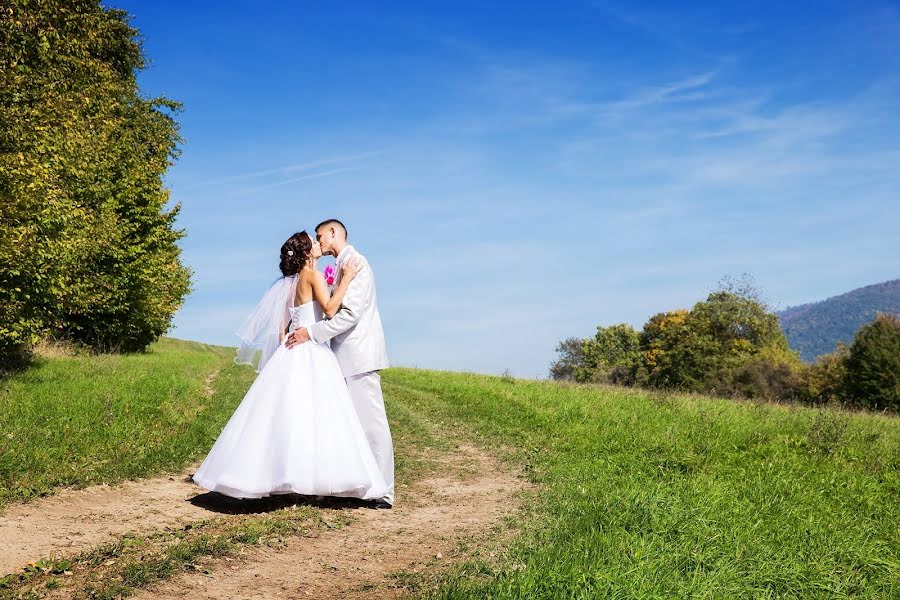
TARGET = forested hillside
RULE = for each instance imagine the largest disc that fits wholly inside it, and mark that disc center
(815, 328)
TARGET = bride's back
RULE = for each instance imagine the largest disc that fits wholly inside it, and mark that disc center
(305, 287)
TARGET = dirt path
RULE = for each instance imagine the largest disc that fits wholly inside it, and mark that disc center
(467, 495)
(471, 495)
(75, 520)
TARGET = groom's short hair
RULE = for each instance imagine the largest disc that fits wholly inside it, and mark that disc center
(332, 222)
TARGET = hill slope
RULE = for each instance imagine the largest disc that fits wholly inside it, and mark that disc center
(635, 494)
(78, 420)
(655, 495)
(816, 328)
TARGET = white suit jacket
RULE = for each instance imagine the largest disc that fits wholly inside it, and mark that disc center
(355, 331)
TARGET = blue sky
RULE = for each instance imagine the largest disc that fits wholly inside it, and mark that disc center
(518, 173)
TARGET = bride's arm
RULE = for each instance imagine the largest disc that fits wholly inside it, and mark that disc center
(331, 305)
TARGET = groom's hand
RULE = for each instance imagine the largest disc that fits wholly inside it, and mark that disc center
(298, 336)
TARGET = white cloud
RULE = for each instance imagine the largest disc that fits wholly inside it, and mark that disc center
(668, 92)
(281, 175)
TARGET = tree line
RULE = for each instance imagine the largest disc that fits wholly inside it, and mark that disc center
(731, 344)
(88, 241)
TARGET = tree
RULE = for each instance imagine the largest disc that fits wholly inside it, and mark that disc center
(715, 339)
(824, 380)
(773, 374)
(88, 244)
(873, 365)
(746, 287)
(660, 334)
(570, 361)
(730, 343)
(611, 356)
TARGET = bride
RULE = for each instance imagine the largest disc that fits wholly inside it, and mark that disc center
(296, 430)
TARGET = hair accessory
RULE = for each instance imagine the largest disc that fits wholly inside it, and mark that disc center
(290, 252)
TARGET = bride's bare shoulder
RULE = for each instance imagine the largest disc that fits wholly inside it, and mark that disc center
(310, 275)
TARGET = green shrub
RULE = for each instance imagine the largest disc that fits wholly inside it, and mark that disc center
(713, 341)
(87, 243)
(823, 381)
(873, 365)
(729, 344)
(570, 361)
(611, 356)
(660, 334)
(770, 376)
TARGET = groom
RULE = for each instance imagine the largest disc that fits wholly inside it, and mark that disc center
(357, 340)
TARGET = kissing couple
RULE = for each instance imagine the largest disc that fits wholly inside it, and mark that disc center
(313, 422)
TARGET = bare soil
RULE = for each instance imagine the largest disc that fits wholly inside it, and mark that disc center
(463, 499)
(72, 521)
(423, 531)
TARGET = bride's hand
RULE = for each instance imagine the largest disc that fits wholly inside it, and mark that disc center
(350, 269)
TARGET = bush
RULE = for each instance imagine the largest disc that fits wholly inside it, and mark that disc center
(823, 381)
(873, 365)
(570, 361)
(702, 350)
(771, 376)
(611, 356)
(660, 334)
(731, 344)
(88, 246)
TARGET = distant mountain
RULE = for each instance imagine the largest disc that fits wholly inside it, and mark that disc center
(816, 328)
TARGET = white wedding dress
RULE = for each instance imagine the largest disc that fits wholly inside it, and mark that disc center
(296, 430)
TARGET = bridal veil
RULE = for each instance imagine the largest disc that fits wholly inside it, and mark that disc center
(261, 331)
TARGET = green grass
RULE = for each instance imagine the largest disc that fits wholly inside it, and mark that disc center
(90, 418)
(87, 419)
(637, 495)
(644, 495)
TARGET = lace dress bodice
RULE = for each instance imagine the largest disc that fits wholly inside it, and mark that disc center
(305, 315)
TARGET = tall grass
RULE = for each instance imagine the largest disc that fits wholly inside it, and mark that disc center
(104, 418)
(643, 495)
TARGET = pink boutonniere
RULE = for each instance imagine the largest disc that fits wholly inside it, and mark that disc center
(329, 274)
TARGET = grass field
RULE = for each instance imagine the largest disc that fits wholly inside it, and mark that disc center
(87, 419)
(647, 495)
(636, 494)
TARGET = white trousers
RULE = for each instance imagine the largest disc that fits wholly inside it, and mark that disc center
(365, 390)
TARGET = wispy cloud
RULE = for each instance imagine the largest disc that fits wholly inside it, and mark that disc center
(668, 92)
(291, 180)
(279, 173)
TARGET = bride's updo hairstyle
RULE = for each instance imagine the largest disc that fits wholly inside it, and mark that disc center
(294, 253)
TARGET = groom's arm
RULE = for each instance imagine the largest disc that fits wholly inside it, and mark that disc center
(356, 300)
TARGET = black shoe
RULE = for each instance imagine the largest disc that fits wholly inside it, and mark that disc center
(383, 504)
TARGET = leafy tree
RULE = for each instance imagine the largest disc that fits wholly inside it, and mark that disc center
(88, 244)
(571, 359)
(717, 337)
(873, 365)
(823, 381)
(660, 334)
(773, 374)
(746, 287)
(611, 356)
